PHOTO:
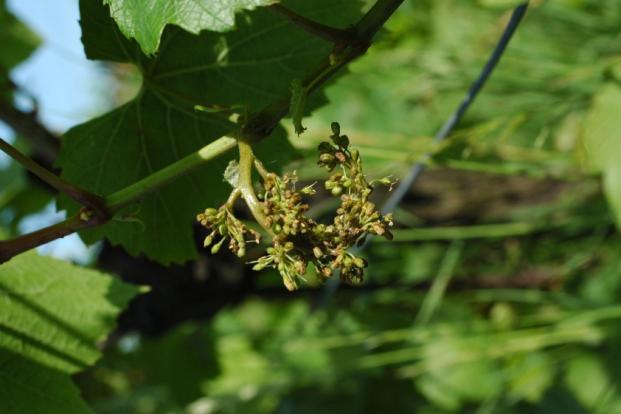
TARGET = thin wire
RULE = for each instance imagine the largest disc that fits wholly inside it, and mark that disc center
(408, 181)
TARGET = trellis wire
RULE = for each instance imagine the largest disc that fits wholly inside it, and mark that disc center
(408, 181)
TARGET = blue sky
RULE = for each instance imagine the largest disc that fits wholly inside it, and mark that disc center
(69, 90)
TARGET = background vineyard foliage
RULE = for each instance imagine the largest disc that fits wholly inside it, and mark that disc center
(500, 292)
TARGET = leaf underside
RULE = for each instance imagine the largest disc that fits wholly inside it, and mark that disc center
(52, 316)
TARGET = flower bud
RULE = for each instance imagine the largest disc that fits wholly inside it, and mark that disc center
(300, 267)
(325, 147)
(326, 158)
(259, 266)
(216, 247)
(385, 181)
(211, 212)
(308, 190)
(360, 262)
(336, 128)
(342, 141)
(222, 230)
(289, 283)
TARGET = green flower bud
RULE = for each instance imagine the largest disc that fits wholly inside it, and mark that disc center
(216, 247)
(326, 158)
(211, 212)
(259, 266)
(308, 190)
(289, 283)
(325, 147)
(360, 262)
(342, 141)
(300, 267)
(336, 128)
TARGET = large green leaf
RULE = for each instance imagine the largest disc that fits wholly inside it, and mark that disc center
(601, 139)
(251, 66)
(144, 20)
(52, 316)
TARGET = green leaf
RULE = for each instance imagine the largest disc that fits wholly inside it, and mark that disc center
(588, 378)
(52, 316)
(17, 40)
(530, 375)
(144, 20)
(601, 141)
(252, 66)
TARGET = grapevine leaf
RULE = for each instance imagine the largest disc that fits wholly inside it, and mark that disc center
(249, 68)
(144, 20)
(17, 40)
(298, 105)
(601, 140)
(52, 315)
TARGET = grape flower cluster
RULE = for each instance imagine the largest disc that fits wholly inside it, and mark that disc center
(299, 241)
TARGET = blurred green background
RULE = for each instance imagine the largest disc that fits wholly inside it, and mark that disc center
(500, 292)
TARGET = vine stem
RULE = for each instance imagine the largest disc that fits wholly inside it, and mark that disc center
(140, 189)
(257, 127)
(332, 34)
(246, 162)
(86, 198)
(81, 221)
